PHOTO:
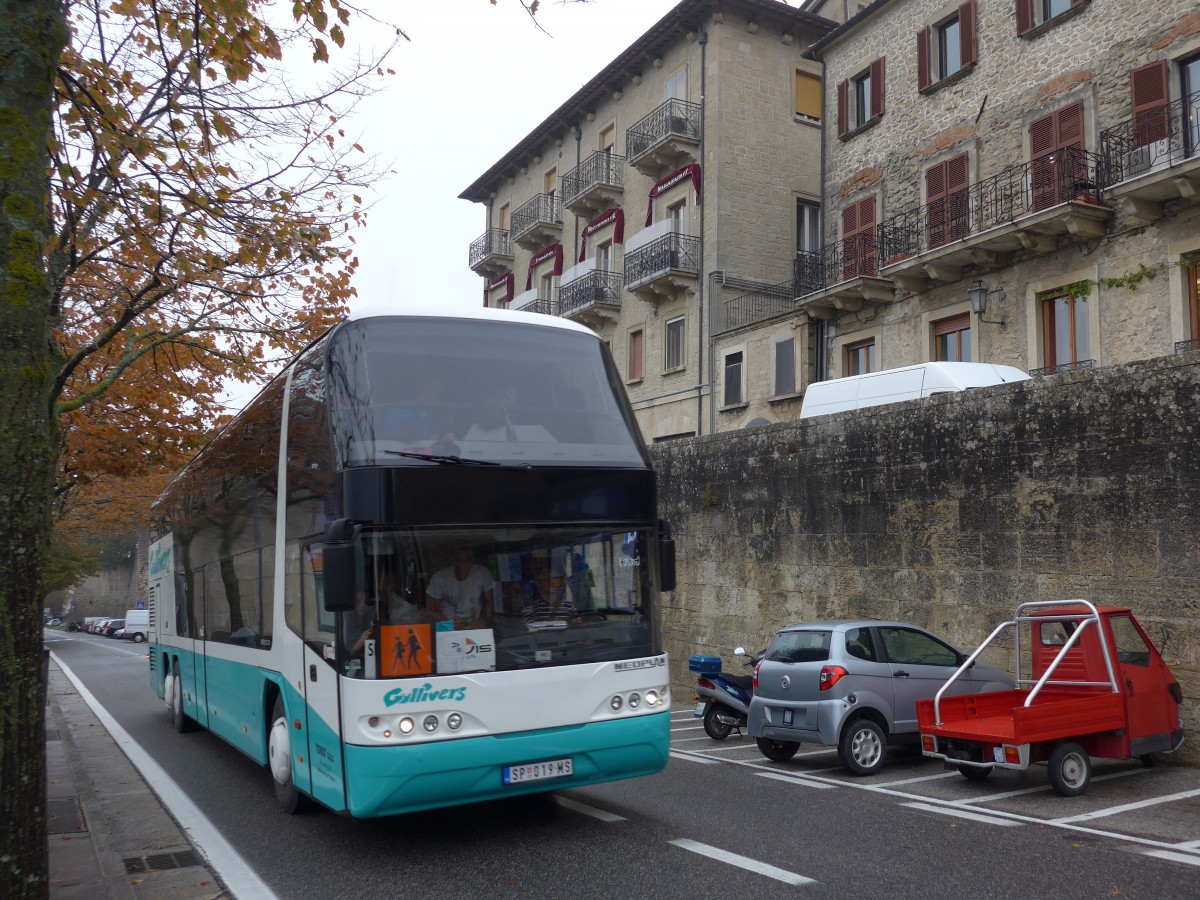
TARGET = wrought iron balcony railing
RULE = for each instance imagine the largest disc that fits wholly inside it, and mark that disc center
(673, 251)
(542, 208)
(1077, 366)
(853, 257)
(757, 306)
(1187, 346)
(1039, 184)
(596, 288)
(673, 117)
(494, 241)
(1152, 140)
(601, 168)
(546, 307)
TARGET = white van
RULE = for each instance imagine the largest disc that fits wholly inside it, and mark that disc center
(904, 383)
(137, 625)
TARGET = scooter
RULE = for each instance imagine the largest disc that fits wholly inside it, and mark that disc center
(722, 700)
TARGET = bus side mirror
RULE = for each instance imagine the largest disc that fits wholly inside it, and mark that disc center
(666, 556)
(339, 579)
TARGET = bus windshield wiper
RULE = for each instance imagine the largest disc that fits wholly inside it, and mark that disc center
(443, 458)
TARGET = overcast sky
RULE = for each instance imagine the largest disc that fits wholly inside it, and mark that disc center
(473, 80)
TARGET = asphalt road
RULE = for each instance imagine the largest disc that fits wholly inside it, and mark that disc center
(720, 820)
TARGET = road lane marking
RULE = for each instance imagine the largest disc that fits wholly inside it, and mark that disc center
(1125, 807)
(687, 728)
(962, 814)
(575, 806)
(796, 779)
(1188, 845)
(726, 748)
(1175, 857)
(915, 780)
(1004, 795)
(693, 757)
(220, 855)
(742, 862)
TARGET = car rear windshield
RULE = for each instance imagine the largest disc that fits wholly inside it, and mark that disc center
(799, 646)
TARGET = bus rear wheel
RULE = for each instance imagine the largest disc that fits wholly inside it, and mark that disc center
(178, 717)
(279, 759)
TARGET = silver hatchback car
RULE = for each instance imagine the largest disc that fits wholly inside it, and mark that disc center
(854, 686)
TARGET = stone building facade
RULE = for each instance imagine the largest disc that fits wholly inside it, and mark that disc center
(665, 187)
(1007, 181)
(947, 512)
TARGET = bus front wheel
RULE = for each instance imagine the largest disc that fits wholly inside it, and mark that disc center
(279, 756)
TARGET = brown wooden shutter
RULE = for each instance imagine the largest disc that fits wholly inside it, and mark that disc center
(878, 73)
(1151, 90)
(967, 33)
(849, 230)
(1072, 166)
(1041, 154)
(935, 199)
(922, 59)
(843, 122)
(1024, 16)
(866, 234)
(958, 184)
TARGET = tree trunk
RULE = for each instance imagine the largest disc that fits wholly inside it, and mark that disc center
(32, 35)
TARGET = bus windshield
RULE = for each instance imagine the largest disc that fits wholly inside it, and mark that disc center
(417, 391)
(450, 601)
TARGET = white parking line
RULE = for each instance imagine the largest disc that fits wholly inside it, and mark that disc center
(726, 748)
(687, 728)
(921, 778)
(1114, 810)
(795, 779)
(692, 757)
(576, 806)
(962, 814)
(685, 740)
(742, 862)
(1188, 845)
(1175, 857)
(1044, 787)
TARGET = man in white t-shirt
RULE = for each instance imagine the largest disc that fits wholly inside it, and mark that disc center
(461, 591)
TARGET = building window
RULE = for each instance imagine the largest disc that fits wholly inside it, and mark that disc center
(637, 346)
(604, 257)
(952, 339)
(947, 48)
(551, 183)
(947, 198)
(1058, 167)
(1189, 82)
(1191, 272)
(785, 367)
(858, 239)
(503, 223)
(808, 97)
(808, 226)
(677, 85)
(673, 344)
(1065, 334)
(1032, 13)
(860, 357)
(861, 98)
(732, 394)
(546, 289)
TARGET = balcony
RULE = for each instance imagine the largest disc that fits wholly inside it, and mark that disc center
(662, 267)
(667, 139)
(759, 306)
(594, 185)
(529, 301)
(491, 254)
(1187, 346)
(537, 223)
(1025, 207)
(1152, 158)
(1079, 365)
(840, 277)
(591, 297)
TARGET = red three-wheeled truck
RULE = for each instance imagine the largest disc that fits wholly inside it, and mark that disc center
(1097, 687)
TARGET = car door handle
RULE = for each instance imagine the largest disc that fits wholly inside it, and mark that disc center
(900, 674)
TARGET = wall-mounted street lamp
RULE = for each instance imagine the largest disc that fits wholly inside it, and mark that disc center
(979, 294)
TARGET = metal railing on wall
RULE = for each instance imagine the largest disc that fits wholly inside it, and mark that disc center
(673, 117)
(492, 241)
(758, 305)
(597, 287)
(1153, 139)
(671, 251)
(542, 208)
(601, 168)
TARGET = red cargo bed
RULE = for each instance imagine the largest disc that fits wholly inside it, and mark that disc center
(1001, 717)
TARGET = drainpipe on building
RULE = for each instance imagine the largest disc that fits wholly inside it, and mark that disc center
(700, 312)
(712, 350)
(578, 160)
(822, 330)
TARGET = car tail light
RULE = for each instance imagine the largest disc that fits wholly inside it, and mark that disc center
(831, 675)
(1012, 755)
(929, 743)
(754, 680)
(705, 683)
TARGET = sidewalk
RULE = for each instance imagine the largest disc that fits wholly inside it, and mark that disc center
(109, 836)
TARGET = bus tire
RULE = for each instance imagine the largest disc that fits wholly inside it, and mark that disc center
(279, 761)
(178, 717)
(1069, 769)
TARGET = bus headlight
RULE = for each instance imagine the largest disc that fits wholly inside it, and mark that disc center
(430, 724)
(406, 725)
(635, 700)
(454, 721)
(616, 703)
(651, 698)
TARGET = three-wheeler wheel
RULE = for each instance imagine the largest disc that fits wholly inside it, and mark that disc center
(1070, 769)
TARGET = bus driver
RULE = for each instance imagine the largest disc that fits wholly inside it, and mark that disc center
(460, 591)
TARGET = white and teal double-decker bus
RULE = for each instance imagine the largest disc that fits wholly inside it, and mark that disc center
(422, 568)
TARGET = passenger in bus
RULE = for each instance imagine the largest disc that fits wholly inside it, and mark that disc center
(461, 591)
(392, 605)
(546, 600)
(359, 624)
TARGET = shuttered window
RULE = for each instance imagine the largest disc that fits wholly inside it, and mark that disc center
(858, 234)
(1032, 13)
(952, 339)
(808, 96)
(1054, 173)
(1151, 89)
(636, 355)
(947, 47)
(861, 99)
(1191, 272)
(1065, 330)
(946, 197)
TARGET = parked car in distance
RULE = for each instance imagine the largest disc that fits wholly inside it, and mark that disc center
(111, 627)
(853, 685)
(98, 625)
(137, 625)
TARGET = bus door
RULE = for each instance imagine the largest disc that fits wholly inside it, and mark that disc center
(317, 764)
